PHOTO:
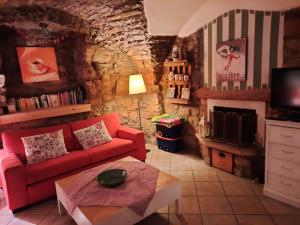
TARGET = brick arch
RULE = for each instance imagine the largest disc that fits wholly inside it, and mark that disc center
(35, 14)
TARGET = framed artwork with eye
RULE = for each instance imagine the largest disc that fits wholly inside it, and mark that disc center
(37, 64)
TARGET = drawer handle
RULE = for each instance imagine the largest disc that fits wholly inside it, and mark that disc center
(286, 184)
(285, 168)
(286, 136)
(287, 152)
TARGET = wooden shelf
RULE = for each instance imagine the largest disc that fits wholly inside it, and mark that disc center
(177, 82)
(176, 63)
(44, 113)
(177, 101)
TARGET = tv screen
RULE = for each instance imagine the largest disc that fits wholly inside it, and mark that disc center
(285, 88)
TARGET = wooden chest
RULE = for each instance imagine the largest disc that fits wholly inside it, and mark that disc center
(222, 160)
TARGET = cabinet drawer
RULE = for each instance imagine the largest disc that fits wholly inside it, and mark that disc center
(285, 152)
(284, 167)
(284, 135)
(284, 185)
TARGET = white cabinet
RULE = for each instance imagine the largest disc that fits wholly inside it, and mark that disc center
(282, 173)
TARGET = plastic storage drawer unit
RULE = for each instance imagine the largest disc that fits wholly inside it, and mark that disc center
(169, 144)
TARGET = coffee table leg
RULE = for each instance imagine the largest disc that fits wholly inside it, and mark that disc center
(61, 208)
(177, 207)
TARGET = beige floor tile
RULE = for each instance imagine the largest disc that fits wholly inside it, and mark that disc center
(148, 159)
(225, 176)
(57, 220)
(4, 209)
(246, 205)
(209, 188)
(180, 165)
(188, 189)
(201, 165)
(183, 175)
(188, 205)
(286, 220)
(161, 164)
(256, 188)
(276, 207)
(254, 220)
(214, 205)
(185, 220)
(43, 208)
(237, 188)
(27, 219)
(5, 219)
(219, 220)
(205, 175)
(155, 219)
(157, 155)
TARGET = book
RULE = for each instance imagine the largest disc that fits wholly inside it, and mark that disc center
(44, 101)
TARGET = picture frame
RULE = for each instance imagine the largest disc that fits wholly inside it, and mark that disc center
(37, 64)
(230, 60)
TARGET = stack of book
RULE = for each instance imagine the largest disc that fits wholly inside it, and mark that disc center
(75, 96)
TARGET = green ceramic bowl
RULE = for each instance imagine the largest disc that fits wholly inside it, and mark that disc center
(112, 178)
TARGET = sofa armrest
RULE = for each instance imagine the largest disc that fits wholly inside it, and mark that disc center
(129, 133)
(138, 137)
(13, 177)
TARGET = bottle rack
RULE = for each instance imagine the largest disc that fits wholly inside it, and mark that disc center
(180, 69)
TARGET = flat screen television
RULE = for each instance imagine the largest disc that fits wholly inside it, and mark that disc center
(285, 88)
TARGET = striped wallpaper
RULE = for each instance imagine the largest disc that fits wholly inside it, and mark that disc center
(264, 33)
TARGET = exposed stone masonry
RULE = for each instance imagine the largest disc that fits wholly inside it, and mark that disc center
(107, 42)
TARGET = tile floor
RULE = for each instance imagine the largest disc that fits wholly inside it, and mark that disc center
(210, 197)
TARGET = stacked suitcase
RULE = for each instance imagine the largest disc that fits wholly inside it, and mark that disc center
(169, 133)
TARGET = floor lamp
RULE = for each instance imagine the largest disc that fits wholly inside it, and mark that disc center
(137, 86)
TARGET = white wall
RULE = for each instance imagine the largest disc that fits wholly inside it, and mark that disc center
(183, 17)
(213, 8)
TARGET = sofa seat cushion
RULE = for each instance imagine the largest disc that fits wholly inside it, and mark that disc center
(112, 149)
(57, 166)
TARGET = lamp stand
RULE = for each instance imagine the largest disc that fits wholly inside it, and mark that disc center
(139, 110)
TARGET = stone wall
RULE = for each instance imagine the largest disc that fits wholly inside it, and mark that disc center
(107, 41)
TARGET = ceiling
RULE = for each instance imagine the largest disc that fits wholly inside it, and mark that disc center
(183, 17)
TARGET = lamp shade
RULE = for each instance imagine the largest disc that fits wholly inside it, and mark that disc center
(136, 84)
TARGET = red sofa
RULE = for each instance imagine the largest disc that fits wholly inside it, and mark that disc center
(26, 184)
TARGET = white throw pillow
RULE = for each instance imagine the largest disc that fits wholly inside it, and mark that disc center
(44, 146)
(92, 136)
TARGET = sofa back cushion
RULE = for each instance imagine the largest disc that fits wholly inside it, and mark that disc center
(93, 136)
(12, 141)
(111, 121)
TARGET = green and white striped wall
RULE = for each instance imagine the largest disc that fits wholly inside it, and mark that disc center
(264, 33)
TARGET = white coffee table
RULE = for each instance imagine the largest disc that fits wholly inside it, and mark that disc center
(168, 189)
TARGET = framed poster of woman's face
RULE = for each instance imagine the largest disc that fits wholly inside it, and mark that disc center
(37, 64)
